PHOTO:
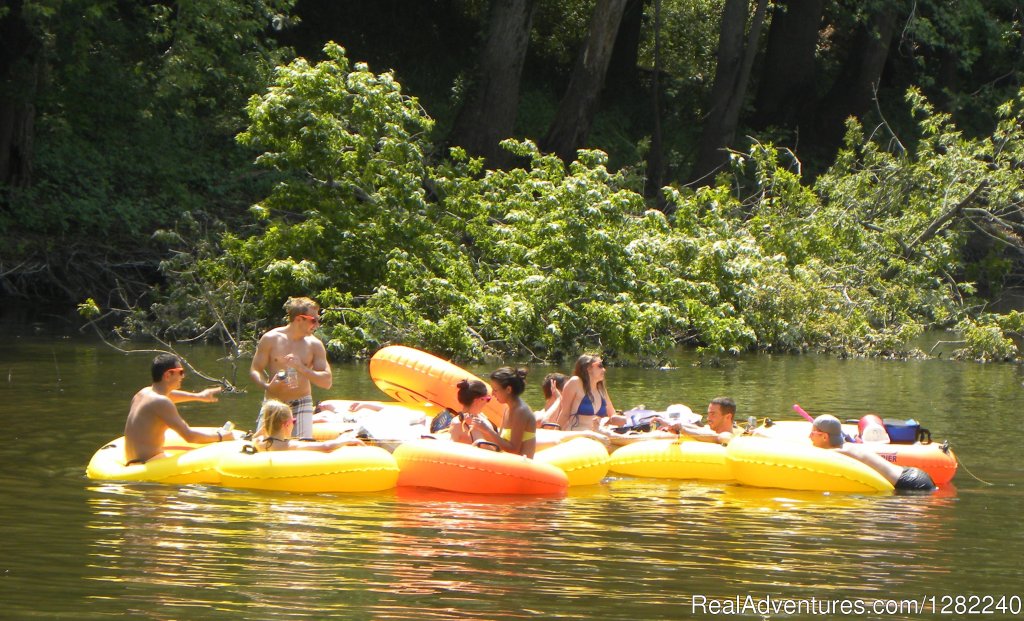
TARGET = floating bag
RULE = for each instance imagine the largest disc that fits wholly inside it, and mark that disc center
(906, 431)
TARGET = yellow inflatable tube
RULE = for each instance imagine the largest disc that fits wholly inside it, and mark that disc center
(184, 462)
(583, 460)
(935, 458)
(673, 459)
(761, 462)
(347, 469)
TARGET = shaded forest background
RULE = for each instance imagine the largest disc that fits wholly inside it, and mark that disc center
(119, 119)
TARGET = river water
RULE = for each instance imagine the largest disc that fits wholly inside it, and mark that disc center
(625, 549)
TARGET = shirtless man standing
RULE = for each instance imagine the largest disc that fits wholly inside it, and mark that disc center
(289, 358)
(153, 411)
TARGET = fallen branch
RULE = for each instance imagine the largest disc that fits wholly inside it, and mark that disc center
(223, 381)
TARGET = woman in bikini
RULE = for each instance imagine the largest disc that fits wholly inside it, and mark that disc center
(585, 403)
(276, 431)
(518, 433)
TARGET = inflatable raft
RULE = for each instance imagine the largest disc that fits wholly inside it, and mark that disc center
(761, 462)
(584, 461)
(935, 458)
(347, 469)
(413, 376)
(673, 459)
(465, 468)
(184, 462)
(379, 423)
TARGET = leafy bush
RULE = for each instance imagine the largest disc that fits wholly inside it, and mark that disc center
(545, 260)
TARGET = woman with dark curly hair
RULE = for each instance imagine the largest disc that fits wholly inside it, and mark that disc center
(518, 432)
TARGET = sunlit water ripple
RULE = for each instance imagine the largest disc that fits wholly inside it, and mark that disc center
(625, 549)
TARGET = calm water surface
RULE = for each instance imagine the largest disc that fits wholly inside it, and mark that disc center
(626, 549)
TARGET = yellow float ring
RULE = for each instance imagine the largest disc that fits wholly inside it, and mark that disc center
(672, 459)
(584, 461)
(760, 462)
(183, 464)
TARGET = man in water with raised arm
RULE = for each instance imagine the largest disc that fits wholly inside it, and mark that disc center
(154, 410)
(827, 433)
(289, 359)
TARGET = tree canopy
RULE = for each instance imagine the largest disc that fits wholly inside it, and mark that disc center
(857, 166)
(546, 260)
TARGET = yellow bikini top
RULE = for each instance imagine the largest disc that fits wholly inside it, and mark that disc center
(506, 435)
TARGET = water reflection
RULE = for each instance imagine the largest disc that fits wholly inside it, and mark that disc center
(628, 549)
(414, 554)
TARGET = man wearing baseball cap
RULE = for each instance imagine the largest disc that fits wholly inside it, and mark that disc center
(827, 433)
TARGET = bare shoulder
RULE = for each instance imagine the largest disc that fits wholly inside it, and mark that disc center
(149, 402)
(523, 411)
(572, 384)
(273, 335)
(272, 340)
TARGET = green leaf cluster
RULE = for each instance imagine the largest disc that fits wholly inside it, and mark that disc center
(545, 260)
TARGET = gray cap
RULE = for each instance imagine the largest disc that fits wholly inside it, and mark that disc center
(830, 425)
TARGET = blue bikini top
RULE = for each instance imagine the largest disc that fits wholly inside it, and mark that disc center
(586, 407)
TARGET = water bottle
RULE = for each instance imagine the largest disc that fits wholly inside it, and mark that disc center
(289, 376)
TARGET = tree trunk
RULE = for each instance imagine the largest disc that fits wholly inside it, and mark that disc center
(854, 90)
(787, 78)
(656, 157)
(735, 60)
(20, 65)
(623, 74)
(569, 130)
(489, 115)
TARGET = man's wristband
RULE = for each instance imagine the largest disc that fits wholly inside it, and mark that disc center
(220, 437)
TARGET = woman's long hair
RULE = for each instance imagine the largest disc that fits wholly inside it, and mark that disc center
(582, 371)
(274, 415)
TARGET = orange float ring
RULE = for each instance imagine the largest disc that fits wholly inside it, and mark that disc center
(465, 468)
(937, 459)
(411, 375)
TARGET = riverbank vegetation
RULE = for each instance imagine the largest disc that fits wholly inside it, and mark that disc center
(566, 225)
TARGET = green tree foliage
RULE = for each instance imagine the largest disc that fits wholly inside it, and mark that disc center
(135, 126)
(351, 150)
(544, 260)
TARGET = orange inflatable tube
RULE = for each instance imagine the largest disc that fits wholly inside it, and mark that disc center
(455, 467)
(410, 375)
(937, 459)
